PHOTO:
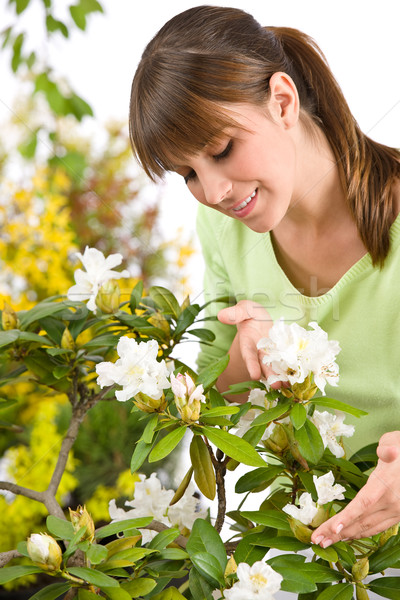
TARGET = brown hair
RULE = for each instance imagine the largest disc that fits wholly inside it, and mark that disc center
(209, 56)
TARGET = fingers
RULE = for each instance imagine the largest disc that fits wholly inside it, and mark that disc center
(242, 311)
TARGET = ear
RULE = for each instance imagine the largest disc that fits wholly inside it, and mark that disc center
(283, 103)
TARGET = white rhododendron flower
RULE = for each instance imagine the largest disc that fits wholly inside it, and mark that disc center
(305, 512)
(293, 353)
(330, 427)
(137, 370)
(258, 582)
(152, 500)
(98, 270)
(327, 490)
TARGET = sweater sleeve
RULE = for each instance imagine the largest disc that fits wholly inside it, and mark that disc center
(216, 285)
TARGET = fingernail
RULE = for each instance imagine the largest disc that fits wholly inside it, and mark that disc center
(326, 543)
(319, 539)
(339, 528)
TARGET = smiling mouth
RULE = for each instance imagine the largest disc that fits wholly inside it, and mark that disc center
(243, 204)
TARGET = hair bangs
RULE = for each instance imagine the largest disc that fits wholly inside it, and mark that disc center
(175, 115)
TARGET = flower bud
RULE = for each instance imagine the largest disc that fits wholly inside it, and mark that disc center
(9, 319)
(305, 390)
(107, 299)
(81, 518)
(361, 592)
(67, 341)
(360, 569)
(188, 397)
(300, 531)
(44, 551)
(278, 440)
(388, 533)
(231, 567)
(321, 516)
(149, 405)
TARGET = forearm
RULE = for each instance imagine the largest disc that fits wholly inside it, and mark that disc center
(236, 372)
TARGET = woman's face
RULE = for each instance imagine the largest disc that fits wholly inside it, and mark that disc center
(250, 174)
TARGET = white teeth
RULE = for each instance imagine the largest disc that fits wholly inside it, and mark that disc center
(245, 202)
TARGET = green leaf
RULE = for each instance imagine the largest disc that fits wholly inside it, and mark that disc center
(124, 525)
(209, 376)
(148, 432)
(16, 57)
(51, 592)
(21, 5)
(167, 444)
(259, 477)
(8, 337)
(310, 442)
(338, 405)
(27, 148)
(328, 554)
(61, 371)
(269, 518)
(244, 386)
(320, 573)
(6, 403)
(140, 454)
(186, 319)
(182, 487)
(117, 593)
(199, 587)
(41, 310)
(297, 581)
(60, 527)
(234, 447)
(10, 573)
(340, 591)
(208, 566)
(388, 587)
(93, 576)
(139, 587)
(86, 595)
(247, 550)
(165, 300)
(171, 593)
(53, 25)
(219, 411)
(97, 553)
(79, 108)
(136, 296)
(163, 538)
(272, 414)
(204, 538)
(385, 557)
(205, 335)
(204, 474)
(78, 16)
(286, 543)
(298, 415)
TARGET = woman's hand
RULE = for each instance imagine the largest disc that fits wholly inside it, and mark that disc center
(376, 507)
(253, 322)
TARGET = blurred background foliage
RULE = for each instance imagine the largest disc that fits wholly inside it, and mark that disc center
(67, 182)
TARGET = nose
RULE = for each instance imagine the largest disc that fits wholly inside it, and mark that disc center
(216, 188)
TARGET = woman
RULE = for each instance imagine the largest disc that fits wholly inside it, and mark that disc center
(299, 215)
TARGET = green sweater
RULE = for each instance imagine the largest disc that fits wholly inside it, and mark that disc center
(362, 312)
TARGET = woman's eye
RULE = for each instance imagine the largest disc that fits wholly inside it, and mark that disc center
(224, 152)
(189, 176)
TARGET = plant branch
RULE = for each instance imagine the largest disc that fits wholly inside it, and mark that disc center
(5, 557)
(220, 471)
(22, 491)
(78, 415)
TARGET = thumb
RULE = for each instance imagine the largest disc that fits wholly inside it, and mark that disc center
(388, 453)
(233, 314)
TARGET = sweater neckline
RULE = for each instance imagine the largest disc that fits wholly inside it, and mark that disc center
(360, 266)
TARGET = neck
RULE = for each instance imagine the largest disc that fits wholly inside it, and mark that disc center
(319, 201)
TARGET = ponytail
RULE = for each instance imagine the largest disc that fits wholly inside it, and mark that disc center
(367, 169)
